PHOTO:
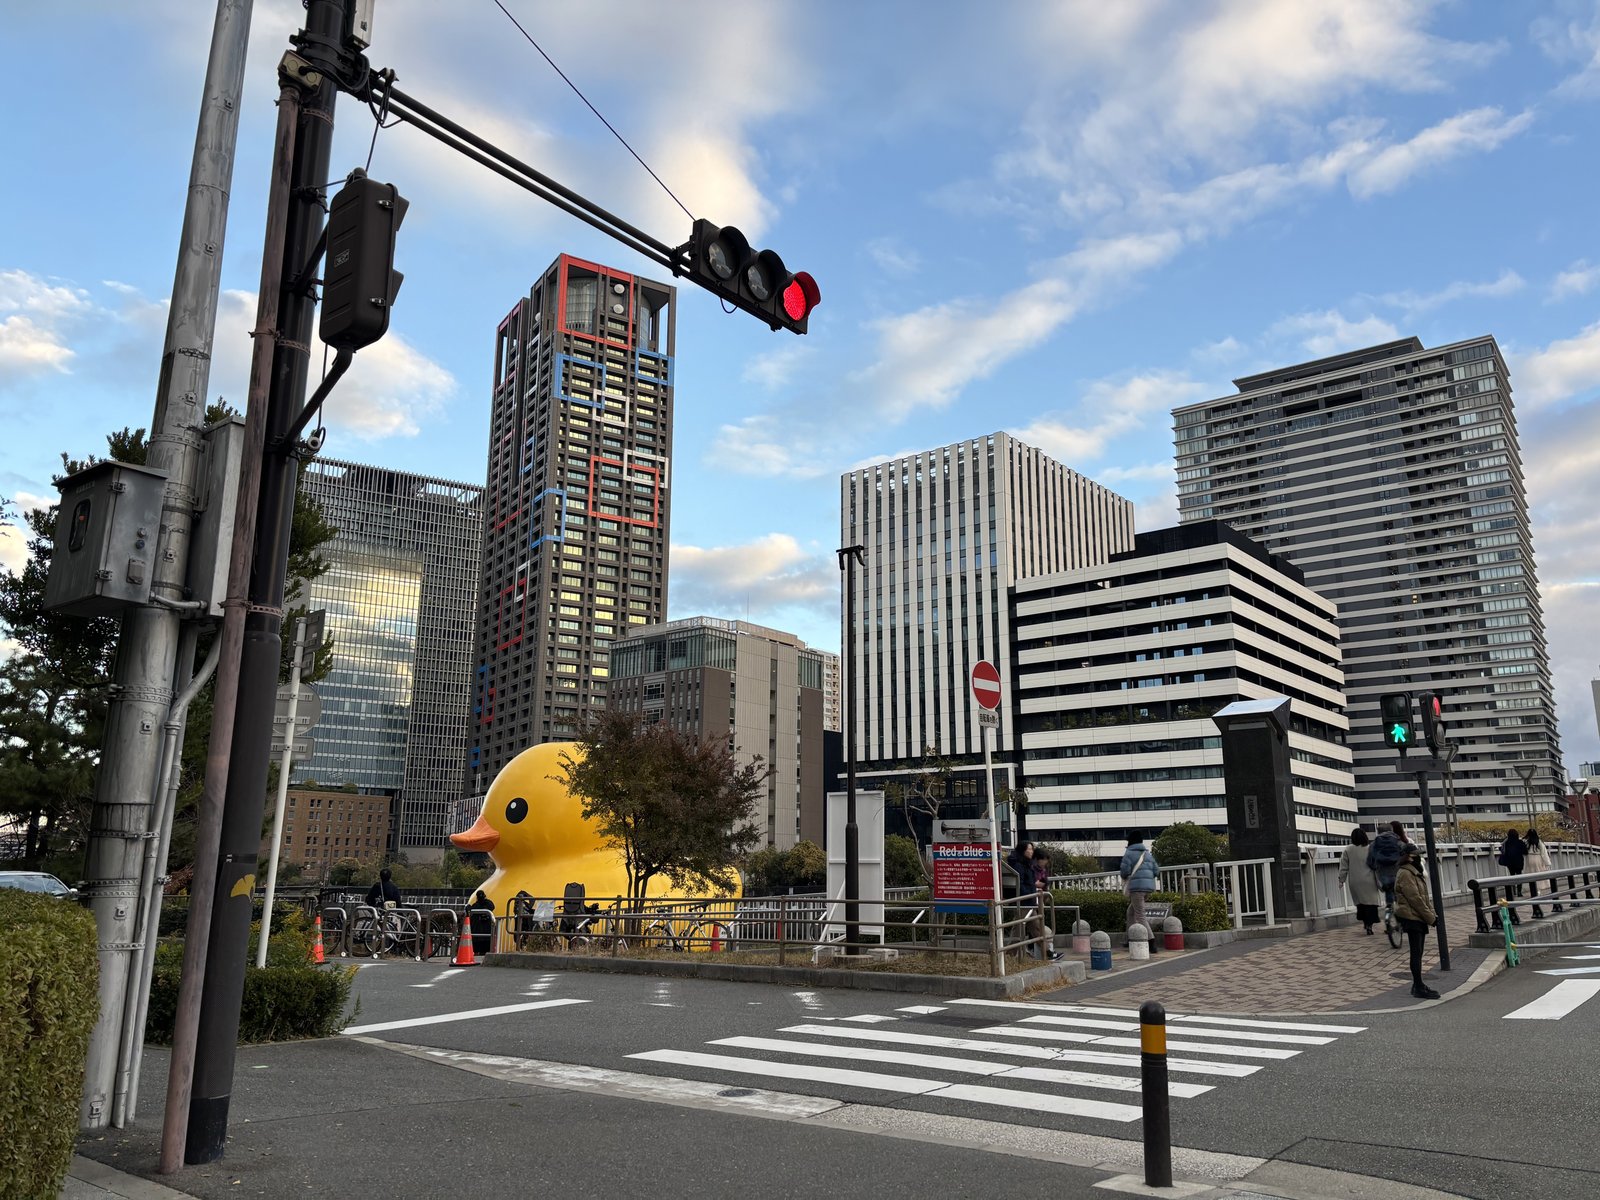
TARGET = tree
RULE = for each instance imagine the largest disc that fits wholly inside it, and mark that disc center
(54, 688)
(1185, 842)
(921, 798)
(673, 805)
(773, 872)
(902, 863)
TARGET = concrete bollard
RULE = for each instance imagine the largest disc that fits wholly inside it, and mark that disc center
(1080, 937)
(1138, 942)
(1100, 951)
(1172, 934)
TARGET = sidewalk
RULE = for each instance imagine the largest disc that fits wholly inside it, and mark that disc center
(90, 1180)
(1330, 970)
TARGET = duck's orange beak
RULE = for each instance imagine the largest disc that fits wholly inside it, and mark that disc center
(482, 836)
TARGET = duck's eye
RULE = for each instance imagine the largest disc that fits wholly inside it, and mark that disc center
(516, 810)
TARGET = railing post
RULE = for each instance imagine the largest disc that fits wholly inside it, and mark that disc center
(1234, 897)
(1266, 888)
(782, 945)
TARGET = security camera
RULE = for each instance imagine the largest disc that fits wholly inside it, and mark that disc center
(313, 444)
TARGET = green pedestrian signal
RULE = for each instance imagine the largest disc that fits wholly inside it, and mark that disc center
(1397, 728)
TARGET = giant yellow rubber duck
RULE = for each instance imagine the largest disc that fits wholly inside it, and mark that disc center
(533, 829)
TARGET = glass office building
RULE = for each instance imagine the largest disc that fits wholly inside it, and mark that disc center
(400, 591)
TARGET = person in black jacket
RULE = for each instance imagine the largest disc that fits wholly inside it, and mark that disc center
(482, 912)
(384, 893)
(1384, 856)
(1513, 853)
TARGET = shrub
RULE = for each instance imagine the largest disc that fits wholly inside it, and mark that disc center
(1103, 910)
(283, 1001)
(1201, 913)
(49, 981)
(1109, 910)
(902, 864)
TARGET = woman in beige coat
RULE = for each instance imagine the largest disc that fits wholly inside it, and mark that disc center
(1415, 910)
(1361, 879)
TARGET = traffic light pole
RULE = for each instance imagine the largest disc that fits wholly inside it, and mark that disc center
(1433, 870)
(321, 45)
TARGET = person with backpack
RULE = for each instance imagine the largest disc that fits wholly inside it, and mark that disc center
(1384, 856)
(383, 893)
(1140, 872)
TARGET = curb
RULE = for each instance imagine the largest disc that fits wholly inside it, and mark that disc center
(91, 1180)
(1044, 976)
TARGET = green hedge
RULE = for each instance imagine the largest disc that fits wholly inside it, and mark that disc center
(283, 1001)
(49, 1000)
(1109, 910)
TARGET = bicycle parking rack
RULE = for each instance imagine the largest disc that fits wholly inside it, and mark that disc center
(373, 932)
(335, 932)
(441, 932)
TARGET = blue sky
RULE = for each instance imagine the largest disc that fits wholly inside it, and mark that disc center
(1055, 219)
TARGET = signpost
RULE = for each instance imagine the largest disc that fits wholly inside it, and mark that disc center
(986, 690)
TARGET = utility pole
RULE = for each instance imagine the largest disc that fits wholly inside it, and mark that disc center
(849, 556)
(124, 815)
(324, 45)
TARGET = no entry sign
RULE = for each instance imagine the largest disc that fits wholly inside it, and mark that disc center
(986, 684)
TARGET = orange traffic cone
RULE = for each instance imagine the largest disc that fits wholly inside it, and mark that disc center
(464, 956)
(317, 953)
(716, 938)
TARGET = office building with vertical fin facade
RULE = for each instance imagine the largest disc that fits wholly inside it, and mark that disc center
(576, 502)
(1392, 477)
(947, 533)
(400, 591)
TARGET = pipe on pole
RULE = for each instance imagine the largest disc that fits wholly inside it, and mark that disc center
(122, 821)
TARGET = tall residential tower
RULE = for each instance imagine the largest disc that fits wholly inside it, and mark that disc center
(1392, 477)
(576, 503)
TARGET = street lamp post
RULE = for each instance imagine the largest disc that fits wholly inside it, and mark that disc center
(1525, 770)
(849, 556)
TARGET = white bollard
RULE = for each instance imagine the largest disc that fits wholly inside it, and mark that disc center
(1138, 942)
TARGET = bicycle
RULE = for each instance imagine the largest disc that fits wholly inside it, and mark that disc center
(1391, 923)
(599, 932)
(389, 932)
(664, 932)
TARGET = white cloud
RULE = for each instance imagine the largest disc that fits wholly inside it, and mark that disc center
(35, 319)
(774, 369)
(1478, 130)
(1325, 333)
(1159, 511)
(1573, 43)
(1138, 473)
(1509, 283)
(765, 578)
(892, 257)
(1109, 409)
(764, 445)
(1563, 369)
(1577, 280)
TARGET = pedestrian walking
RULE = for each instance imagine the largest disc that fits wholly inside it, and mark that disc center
(1415, 910)
(1362, 880)
(1513, 856)
(1139, 871)
(1535, 860)
(1041, 884)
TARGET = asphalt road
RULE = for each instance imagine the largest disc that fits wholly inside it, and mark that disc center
(714, 1089)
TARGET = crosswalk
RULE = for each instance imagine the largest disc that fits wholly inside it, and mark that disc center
(1578, 986)
(1069, 1060)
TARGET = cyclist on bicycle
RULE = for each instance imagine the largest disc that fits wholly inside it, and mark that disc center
(384, 893)
(1384, 856)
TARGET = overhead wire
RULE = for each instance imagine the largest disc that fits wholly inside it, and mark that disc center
(592, 108)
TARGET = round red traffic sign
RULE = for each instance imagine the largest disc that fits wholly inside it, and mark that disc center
(986, 684)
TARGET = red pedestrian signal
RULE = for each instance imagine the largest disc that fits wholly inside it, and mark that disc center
(1434, 731)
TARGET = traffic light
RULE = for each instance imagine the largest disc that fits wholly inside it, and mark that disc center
(359, 281)
(721, 260)
(1433, 726)
(1397, 730)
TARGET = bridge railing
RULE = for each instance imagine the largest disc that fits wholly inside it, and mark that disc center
(1459, 864)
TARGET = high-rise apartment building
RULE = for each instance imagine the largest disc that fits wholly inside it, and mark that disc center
(759, 688)
(1392, 477)
(1120, 667)
(400, 591)
(947, 533)
(832, 698)
(576, 503)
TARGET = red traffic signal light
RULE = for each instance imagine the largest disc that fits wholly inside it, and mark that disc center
(1433, 725)
(722, 261)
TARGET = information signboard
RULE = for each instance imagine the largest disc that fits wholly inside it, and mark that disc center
(963, 875)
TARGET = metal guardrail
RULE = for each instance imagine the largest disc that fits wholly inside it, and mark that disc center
(1486, 897)
(788, 926)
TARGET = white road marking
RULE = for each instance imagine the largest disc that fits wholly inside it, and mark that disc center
(471, 1014)
(1065, 1035)
(925, 1009)
(904, 1085)
(1091, 1010)
(1297, 1026)
(1105, 1058)
(1572, 971)
(809, 1001)
(440, 977)
(1579, 957)
(963, 1066)
(1558, 1001)
(872, 1018)
(1291, 1039)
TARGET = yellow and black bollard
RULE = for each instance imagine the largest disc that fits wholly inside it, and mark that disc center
(1153, 1091)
